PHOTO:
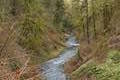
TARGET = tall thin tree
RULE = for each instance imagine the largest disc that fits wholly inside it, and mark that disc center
(87, 23)
(93, 16)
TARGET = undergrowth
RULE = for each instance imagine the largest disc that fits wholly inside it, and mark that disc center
(110, 70)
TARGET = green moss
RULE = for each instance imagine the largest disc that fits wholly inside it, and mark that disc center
(110, 70)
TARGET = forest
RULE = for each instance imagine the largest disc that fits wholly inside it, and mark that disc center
(59, 39)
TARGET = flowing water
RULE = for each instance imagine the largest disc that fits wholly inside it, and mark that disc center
(54, 69)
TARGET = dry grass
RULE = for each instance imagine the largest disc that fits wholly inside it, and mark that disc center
(11, 51)
(15, 61)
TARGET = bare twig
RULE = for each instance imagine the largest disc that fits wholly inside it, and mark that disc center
(8, 38)
(21, 71)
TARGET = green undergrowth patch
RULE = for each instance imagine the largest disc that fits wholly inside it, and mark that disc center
(39, 58)
(109, 70)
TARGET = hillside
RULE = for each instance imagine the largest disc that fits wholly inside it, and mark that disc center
(36, 32)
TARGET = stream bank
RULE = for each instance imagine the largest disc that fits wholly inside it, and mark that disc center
(54, 68)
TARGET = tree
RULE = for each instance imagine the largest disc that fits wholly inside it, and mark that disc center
(93, 17)
(59, 12)
(87, 23)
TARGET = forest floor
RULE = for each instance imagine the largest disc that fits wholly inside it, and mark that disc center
(17, 63)
(98, 66)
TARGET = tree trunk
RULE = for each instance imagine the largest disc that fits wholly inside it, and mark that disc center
(87, 23)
